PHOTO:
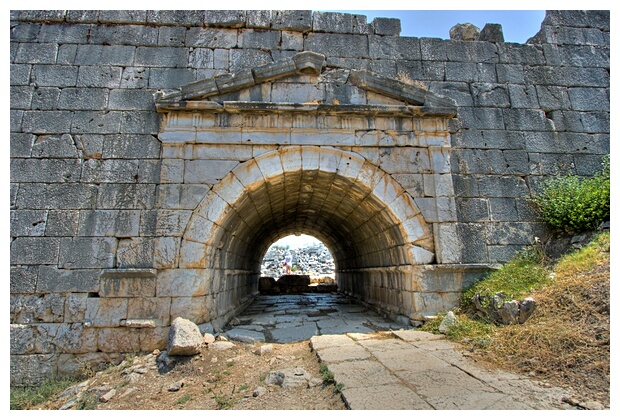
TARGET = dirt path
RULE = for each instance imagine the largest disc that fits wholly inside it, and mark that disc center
(406, 370)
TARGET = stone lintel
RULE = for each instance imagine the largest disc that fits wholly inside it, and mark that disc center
(329, 109)
(188, 105)
(392, 110)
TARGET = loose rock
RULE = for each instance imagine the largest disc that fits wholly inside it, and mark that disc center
(314, 382)
(174, 387)
(221, 345)
(73, 390)
(267, 348)
(526, 309)
(184, 338)
(447, 322)
(209, 338)
(107, 396)
(291, 377)
(127, 392)
(261, 390)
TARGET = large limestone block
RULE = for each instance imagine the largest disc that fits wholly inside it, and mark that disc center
(464, 32)
(184, 338)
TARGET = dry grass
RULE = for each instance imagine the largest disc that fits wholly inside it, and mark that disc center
(567, 340)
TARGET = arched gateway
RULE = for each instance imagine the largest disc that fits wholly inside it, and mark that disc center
(289, 148)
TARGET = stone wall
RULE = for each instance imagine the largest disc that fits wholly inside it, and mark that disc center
(100, 203)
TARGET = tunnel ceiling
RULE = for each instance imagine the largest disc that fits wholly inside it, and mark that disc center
(356, 227)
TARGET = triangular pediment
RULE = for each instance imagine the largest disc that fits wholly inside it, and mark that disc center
(382, 92)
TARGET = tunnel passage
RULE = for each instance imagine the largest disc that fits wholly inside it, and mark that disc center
(370, 225)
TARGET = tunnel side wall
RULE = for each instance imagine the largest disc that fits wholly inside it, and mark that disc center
(97, 203)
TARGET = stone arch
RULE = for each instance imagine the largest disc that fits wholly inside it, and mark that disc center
(213, 215)
(371, 225)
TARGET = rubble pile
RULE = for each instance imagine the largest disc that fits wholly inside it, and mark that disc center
(313, 260)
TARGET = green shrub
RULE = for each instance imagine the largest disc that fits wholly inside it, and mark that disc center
(572, 204)
(525, 271)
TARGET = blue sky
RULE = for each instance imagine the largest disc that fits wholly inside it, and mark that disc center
(517, 25)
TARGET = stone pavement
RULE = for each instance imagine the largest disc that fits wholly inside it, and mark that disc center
(293, 318)
(415, 370)
(397, 369)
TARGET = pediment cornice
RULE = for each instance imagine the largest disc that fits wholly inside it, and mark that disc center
(200, 95)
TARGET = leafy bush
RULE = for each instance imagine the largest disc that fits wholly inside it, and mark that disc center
(572, 204)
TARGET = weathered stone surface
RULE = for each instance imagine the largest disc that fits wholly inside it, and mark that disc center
(492, 32)
(292, 20)
(128, 283)
(386, 26)
(52, 279)
(184, 338)
(106, 312)
(136, 252)
(23, 279)
(34, 250)
(225, 18)
(464, 32)
(87, 253)
(32, 369)
(258, 19)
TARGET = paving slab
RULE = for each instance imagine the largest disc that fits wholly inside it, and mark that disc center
(292, 334)
(385, 345)
(384, 397)
(342, 354)
(245, 336)
(411, 360)
(414, 335)
(329, 340)
(443, 381)
(362, 373)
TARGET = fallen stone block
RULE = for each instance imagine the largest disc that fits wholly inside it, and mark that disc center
(184, 338)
